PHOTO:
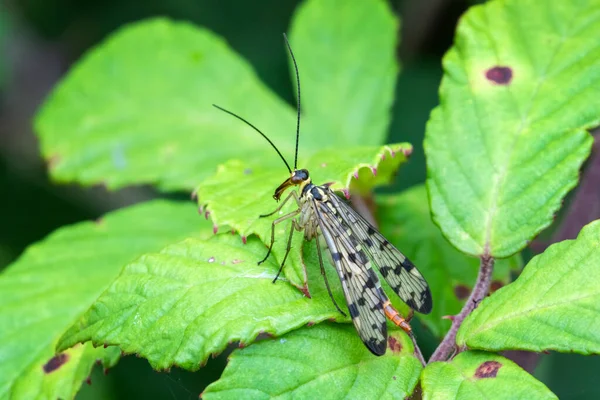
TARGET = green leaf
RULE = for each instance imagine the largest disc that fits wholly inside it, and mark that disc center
(553, 305)
(502, 153)
(137, 109)
(479, 375)
(238, 194)
(192, 299)
(347, 58)
(55, 281)
(72, 369)
(406, 222)
(326, 359)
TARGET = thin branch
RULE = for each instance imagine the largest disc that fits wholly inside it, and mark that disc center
(482, 286)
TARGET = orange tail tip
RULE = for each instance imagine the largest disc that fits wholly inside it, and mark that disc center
(393, 315)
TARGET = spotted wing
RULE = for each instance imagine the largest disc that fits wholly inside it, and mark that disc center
(395, 267)
(360, 284)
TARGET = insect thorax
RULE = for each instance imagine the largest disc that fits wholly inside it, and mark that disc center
(308, 220)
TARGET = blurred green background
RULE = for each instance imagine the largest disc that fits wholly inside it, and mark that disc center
(39, 41)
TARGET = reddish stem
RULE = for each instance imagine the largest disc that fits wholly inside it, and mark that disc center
(481, 289)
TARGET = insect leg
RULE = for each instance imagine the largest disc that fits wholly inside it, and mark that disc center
(287, 249)
(292, 194)
(277, 221)
(325, 277)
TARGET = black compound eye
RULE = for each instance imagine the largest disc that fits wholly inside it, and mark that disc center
(299, 176)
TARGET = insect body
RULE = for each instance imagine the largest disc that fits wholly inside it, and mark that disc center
(354, 246)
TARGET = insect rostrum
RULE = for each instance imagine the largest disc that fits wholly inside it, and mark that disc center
(354, 246)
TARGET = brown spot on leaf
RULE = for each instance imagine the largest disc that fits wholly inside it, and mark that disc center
(499, 75)
(488, 369)
(461, 291)
(55, 363)
(394, 345)
(495, 285)
(89, 381)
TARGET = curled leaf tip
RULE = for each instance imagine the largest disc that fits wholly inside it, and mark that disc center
(244, 239)
(215, 229)
(355, 174)
(206, 214)
(374, 171)
(305, 292)
(346, 193)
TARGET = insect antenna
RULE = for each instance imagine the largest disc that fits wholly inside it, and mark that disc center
(298, 105)
(262, 134)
